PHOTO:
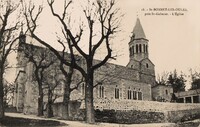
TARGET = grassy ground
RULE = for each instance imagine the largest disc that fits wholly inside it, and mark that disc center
(12, 121)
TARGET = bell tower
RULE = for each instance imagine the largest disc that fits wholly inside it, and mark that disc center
(139, 55)
(138, 45)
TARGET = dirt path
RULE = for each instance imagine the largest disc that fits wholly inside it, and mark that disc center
(82, 124)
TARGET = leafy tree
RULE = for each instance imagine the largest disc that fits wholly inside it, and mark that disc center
(177, 82)
(195, 80)
(195, 84)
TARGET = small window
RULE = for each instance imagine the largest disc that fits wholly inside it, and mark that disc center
(139, 95)
(101, 91)
(140, 48)
(116, 93)
(166, 92)
(144, 48)
(147, 65)
(129, 93)
(136, 48)
(134, 95)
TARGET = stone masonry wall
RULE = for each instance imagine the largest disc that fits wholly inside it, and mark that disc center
(31, 98)
(143, 105)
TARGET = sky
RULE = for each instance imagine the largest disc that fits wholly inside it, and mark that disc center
(174, 41)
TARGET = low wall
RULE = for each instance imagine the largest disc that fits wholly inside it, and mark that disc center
(152, 106)
(172, 112)
(129, 117)
(182, 115)
(132, 111)
(74, 107)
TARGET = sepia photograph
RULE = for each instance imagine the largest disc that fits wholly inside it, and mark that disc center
(100, 63)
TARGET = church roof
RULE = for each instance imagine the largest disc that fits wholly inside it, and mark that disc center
(138, 31)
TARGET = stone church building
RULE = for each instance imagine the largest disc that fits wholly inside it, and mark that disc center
(131, 82)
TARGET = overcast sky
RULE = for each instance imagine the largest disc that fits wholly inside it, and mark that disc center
(174, 41)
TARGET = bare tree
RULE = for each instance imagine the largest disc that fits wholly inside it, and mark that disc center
(31, 24)
(9, 89)
(8, 36)
(162, 79)
(98, 13)
(42, 59)
(52, 80)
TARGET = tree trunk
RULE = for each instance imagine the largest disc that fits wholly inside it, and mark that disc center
(66, 98)
(1, 93)
(40, 101)
(49, 105)
(89, 98)
(49, 110)
(40, 90)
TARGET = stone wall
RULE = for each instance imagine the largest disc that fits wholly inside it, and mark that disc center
(19, 91)
(109, 90)
(147, 67)
(162, 93)
(137, 112)
(129, 117)
(143, 105)
(74, 107)
(146, 78)
(182, 115)
(163, 111)
(30, 98)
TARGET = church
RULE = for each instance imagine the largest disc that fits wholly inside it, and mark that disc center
(132, 82)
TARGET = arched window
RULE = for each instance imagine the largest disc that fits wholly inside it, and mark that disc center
(144, 48)
(140, 95)
(136, 48)
(133, 50)
(129, 93)
(101, 91)
(116, 93)
(134, 94)
(140, 48)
